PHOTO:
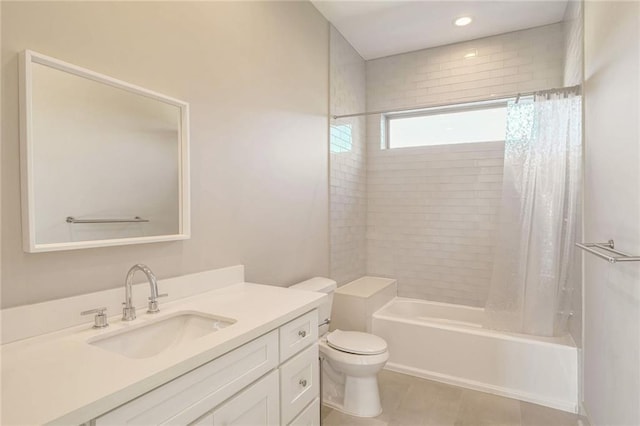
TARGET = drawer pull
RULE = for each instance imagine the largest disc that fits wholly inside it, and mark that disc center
(302, 333)
(303, 383)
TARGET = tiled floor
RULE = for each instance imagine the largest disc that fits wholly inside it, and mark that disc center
(410, 401)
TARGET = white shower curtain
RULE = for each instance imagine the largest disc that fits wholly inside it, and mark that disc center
(530, 286)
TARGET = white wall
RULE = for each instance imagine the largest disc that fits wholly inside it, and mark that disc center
(612, 210)
(255, 75)
(348, 175)
(433, 210)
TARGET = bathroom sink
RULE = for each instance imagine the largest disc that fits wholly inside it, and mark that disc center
(154, 337)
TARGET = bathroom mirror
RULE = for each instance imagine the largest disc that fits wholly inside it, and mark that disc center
(103, 162)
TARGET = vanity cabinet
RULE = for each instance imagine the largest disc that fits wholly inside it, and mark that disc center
(272, 380)
(309, 416)
(299, 383)
(257, 405)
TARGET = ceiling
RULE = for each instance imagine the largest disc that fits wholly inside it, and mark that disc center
(382, 28)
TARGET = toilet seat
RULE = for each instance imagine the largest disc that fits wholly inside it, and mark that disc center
(353, 360)
(356, 342)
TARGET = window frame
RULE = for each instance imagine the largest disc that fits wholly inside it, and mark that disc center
(436, 110)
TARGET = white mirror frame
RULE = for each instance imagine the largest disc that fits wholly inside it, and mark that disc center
(27, 58)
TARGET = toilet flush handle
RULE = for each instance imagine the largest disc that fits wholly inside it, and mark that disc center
(325, 322)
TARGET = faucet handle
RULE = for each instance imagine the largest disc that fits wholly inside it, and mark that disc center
(100, 320)
(128, 312)
(159, 296)
(153, 304)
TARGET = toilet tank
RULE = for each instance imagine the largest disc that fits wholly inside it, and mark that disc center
(320, 285)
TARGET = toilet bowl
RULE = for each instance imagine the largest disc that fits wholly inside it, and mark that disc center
(350, 361)
(350, 382)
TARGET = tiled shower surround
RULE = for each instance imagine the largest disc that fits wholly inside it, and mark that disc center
(432, 217)
(348, 178)
(431, 212)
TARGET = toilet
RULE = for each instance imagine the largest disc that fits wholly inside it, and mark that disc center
(350, 360)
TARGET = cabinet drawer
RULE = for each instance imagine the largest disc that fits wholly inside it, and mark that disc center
(298, 334)
(299, 383)
(201, 389)
(310, 416)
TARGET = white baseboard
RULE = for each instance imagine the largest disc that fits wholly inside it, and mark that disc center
(569, 406)
(585, 414)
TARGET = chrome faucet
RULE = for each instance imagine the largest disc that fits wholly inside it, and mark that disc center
(129, 311)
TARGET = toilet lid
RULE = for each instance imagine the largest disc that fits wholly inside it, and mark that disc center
(356, 342)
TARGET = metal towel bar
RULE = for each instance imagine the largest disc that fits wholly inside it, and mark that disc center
(71, 219)
(610, 247)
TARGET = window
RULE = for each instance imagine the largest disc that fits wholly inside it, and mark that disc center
(463, 123)
(341, 139)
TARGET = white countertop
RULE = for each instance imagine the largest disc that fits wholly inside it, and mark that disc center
(58, 378)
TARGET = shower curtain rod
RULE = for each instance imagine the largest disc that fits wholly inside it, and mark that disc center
(517, 97)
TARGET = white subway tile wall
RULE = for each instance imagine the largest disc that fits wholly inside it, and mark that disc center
(348, 180)
(573, 35)
(432, 211)
(505, 64)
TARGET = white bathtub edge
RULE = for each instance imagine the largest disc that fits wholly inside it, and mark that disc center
(568, 406)
(480, 331)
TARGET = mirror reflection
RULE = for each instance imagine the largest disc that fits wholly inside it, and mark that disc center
(105, 162)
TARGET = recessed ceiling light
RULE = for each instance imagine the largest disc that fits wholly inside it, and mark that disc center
(462, 21)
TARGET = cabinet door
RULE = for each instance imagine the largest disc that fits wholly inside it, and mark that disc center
(299, 383)
(203, 421)
(257, 405)
(310, 416)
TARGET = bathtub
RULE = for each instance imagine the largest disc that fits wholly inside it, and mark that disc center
(446, 343)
